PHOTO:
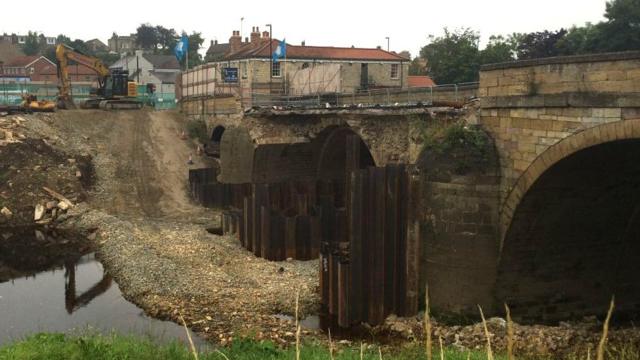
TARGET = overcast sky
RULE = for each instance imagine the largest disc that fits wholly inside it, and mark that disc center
(324, 22)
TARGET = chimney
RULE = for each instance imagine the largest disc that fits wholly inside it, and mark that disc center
(235, 41)
(379, 47)
(265, 35)
(303, 43)
(211, 44)
(246, 40)
(215, 42)
(255, 35)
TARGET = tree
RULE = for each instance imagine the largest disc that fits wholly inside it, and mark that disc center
(147, 36)
(453, 58)
(195, 43)
(418, 66)
(579, 40)
(167, 39)
(621, 30)
(31, 44)
(540, 44)
(498, 50)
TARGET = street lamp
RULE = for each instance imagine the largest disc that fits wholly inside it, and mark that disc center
(387, 43)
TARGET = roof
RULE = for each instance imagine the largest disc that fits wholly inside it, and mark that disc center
(9, 51)
(165, 77)
(75, 69)
(420, 81)
(217, 51)
(21, 61)
(315, 52)
(162, 61)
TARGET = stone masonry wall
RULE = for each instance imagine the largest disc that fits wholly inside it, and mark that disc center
(529, 106)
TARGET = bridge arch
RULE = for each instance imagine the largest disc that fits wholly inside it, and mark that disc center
(333, 149)
(573, 235)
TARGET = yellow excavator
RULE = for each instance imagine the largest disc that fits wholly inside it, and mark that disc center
(114, 91)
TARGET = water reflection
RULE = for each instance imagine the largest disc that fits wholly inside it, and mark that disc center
(72, 301)
(50, 284)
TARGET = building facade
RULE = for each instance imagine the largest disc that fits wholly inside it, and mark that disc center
(247, 65)
(160, 70)
(122, 44)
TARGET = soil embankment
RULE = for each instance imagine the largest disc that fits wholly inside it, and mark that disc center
(151, 237)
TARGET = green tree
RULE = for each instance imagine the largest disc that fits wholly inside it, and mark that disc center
(540, 44)
(167, 39)
(31, 44)
(418, 66)
(453, 58)
(579, 40)
(499, 49)
(195, 43)
(147, 36)
(621, 30)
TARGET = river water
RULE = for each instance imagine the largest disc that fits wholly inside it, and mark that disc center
(52, 284)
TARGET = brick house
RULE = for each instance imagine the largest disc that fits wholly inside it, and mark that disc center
(77, 74)
(97, 46)
(30, 67)
(309, 69)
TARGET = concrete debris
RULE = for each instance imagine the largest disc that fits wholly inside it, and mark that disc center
(6, 212)
(39, 212)
(63, 205)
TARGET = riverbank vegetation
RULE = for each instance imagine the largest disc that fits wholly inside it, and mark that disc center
(48, 346)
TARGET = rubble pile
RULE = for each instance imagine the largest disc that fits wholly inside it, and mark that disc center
(37, 182)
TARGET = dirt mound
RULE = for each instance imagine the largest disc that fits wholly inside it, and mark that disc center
(31, 164)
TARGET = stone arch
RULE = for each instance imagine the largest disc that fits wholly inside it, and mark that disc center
(608, 132)
(572, 240)
(331, 158)
(216, 134)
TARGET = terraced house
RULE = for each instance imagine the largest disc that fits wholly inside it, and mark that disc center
(247, 66)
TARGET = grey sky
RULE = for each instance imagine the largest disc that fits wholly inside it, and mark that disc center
(327, 22)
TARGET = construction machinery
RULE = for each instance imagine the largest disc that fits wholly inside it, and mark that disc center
(30, 103)
(114, 91)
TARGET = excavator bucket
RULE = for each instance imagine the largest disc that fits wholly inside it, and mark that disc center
(66, 103)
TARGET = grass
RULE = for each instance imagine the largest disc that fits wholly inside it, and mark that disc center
(48, 346)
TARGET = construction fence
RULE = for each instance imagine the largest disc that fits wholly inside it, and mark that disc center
(11, 93)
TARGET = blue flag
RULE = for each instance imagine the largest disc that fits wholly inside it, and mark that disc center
(181, 47)
(280, 52)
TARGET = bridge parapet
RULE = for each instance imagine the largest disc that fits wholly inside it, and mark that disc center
(529, 106)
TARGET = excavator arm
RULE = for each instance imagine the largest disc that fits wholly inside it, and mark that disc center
(64, 54)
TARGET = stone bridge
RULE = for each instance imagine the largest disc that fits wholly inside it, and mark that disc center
(548, 221)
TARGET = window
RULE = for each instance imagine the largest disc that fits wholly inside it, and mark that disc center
(394, 71)
(275, 69)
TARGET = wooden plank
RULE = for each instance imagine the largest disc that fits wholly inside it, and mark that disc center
(316, 234)
(401, 275)
(290, 237)
(355, 239)
(303, 237)
(324, 280)
(377, 311)
(277, 236)
(370, 243)
(391, 240)
(265, 233)
(344, 313)
(248, 223)
(413, 244)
